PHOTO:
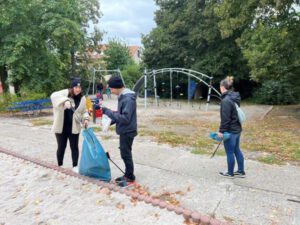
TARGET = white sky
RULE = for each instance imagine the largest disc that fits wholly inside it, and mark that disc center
(126, 19)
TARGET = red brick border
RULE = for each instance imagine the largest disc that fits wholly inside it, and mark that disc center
(188, 215)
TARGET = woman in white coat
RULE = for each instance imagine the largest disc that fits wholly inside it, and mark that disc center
(67, 123)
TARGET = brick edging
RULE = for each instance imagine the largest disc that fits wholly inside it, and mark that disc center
(188, 215)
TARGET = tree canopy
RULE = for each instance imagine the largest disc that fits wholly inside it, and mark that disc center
(253, 40)
(39, 39)
(117, 55)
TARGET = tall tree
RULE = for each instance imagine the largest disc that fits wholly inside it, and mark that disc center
(117, 55)
(187, 35)
(269, 38)
(39, 36)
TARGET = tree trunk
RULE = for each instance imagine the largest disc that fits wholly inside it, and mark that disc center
(73, 62)
(3, 78)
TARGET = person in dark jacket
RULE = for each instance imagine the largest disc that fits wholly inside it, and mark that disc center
(230, 123)
(100, 88)
(126, 124)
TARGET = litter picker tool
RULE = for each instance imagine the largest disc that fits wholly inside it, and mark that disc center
(108, 156)
(216, 149)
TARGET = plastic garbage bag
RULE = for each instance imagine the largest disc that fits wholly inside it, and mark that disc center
(93, 161)
(106, 121)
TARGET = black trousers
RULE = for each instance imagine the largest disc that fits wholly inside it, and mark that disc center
(126, 154)
(62, 144)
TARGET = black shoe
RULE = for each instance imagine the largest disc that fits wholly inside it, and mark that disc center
(226, 174)
(128, 180)
(241, 174)
(125, 182)
(119, 179)
(123, 178)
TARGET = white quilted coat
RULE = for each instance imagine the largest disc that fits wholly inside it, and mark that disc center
(58, 99)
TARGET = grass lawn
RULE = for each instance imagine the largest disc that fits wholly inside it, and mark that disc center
(277, 135)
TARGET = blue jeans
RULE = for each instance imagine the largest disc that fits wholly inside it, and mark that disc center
(232, 148)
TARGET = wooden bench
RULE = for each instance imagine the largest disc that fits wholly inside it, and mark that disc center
(30, 106)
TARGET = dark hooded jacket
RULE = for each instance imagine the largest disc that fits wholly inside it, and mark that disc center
(229, 116)
(125, 118)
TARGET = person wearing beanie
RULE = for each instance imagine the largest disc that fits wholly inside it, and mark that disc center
(126, 125)
(69, 111)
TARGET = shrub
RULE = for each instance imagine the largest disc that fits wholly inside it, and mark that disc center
(276, 92)
(25, 94)
(131, 74)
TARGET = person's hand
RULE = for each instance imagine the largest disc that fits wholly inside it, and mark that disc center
(103, 109)
(67, 105)
(220, 135)
(86, 123)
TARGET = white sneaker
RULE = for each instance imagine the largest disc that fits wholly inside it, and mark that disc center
(75, 169)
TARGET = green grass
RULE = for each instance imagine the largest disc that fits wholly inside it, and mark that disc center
(276, 134)
(168, 137)
(106, 137)
(296, 155)
(197, 151)
(270, 160)
(41, 122)
(97, 129)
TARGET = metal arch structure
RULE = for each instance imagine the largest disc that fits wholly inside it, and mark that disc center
(104, 70)
(188, 72)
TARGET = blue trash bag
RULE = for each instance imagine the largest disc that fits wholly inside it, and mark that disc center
(214, 136)
(93, 162)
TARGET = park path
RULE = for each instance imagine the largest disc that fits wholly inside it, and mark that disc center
(192, 180)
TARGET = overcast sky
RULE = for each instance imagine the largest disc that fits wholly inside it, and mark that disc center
(127, 19)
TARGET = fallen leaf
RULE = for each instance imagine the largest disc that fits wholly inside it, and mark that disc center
(156, 215)
(133, 201)
(105, 191)
(189, 222)
(179, 193)
(120, 206)
(38, 201)
(99, 202)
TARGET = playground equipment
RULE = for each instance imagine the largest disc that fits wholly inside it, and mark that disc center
(201, 77)
(106, 74)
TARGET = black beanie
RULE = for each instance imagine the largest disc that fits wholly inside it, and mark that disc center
(76, 82)
(115, 82)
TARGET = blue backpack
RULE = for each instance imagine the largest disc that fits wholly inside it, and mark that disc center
(93, 162)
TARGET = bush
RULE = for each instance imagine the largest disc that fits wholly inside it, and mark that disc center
(6, 100)
(25, 94)
(131, 74)
(276, 92)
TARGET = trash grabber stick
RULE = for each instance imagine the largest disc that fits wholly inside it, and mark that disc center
(108, 156)
(77, 118)
(216, 150)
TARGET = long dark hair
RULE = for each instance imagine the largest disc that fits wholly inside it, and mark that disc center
(72, 95)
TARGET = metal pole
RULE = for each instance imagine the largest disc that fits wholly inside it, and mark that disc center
(189, 83)
(155, 91)
(145, 82)
(94, 81)
(119, 71)
(171, 87)
(209, 93)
